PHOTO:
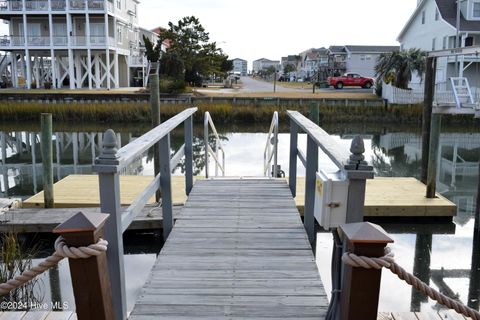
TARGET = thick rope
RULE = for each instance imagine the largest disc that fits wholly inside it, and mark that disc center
(388, 262)
(61, 251)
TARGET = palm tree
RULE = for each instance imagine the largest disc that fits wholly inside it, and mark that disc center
(401, 65)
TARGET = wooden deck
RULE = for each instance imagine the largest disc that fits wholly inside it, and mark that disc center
(430, 315)
(385, 197)
(395, 197)
(237, 250)
(38, 315)
(31, 220)
(67, 315)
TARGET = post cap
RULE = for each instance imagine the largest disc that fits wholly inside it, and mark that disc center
(81, 222)
(109, 145)
(365, 232)
(357, 148)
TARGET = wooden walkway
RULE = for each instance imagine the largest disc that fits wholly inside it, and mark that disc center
(38, 315)
(238, 250)
(68, 315)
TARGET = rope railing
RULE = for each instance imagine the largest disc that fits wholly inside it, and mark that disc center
(61, 251)
(388, 262)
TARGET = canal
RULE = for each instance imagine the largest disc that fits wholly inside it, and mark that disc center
(441, 253)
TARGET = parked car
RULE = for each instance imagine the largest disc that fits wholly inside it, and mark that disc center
(350, 80)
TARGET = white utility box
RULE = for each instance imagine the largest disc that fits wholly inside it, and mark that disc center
(331, 194)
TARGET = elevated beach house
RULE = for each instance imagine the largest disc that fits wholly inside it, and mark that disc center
(72, 43)
(433, 26)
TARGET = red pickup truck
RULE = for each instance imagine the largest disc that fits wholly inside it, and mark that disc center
(350, 80)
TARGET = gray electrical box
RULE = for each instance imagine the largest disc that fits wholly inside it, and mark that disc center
(331, 192)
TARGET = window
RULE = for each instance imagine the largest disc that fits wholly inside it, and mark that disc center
(445, 41)
(468, 41)
(476, 9)
(433, 44)
(362, 57)
(437, 15)
(368, 57)
(423, 17)
(119, 4)
(119, 34)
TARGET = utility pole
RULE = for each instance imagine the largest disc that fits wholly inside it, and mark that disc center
(275, 81)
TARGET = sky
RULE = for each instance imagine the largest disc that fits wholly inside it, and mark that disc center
(254, 29)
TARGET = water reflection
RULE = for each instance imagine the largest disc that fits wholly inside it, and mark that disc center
(444, 255)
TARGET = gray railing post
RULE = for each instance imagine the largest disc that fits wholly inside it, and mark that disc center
(109, 183)
(292, 170)
(166, 185)
(310, 181)
(188, 155)
(205, 135)
(357, 172)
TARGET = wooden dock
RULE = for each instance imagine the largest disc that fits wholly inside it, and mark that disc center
(395, 197)
(32, 220)
(68, 315)
(238, 250)
(38, 315)
(385, 197)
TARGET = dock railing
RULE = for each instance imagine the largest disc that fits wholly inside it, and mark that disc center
(355, 170)
(109, 165)
(270, 153)
(208, 122)
(352, 164)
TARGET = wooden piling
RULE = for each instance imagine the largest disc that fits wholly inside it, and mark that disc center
(434, 146)
(47, 159)
(315, 112)
(427, 114)
(90, 280)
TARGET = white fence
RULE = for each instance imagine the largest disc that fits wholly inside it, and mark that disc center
(394, 95)
(401, 96)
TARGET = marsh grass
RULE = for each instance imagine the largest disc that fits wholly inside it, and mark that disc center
(139, 112)
(14, 261)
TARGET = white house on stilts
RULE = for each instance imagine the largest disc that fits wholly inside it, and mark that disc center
(72, 44)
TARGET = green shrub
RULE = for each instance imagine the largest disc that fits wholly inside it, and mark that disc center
(172, 86)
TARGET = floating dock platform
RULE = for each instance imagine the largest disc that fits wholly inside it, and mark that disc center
(385, 197)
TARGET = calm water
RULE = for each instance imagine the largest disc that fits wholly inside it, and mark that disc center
(441, 253)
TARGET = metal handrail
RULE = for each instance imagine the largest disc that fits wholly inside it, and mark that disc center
(270, 152)
(218, 146)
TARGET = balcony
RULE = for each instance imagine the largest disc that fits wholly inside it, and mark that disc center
(11, 41)
(32, 5)
(138, 61)
(38, 41)
(58, 5)
(61, 41)
(96, 5)
(11, 5)
(465, 59)
(77, 5)
(58, 41)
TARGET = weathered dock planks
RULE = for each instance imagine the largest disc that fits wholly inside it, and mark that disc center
(31, 220)
(38, 315)
(238, 251)
(442, 314)
(385, 197)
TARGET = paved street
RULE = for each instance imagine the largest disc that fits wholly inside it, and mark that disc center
(254, 85)
(251, 85)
